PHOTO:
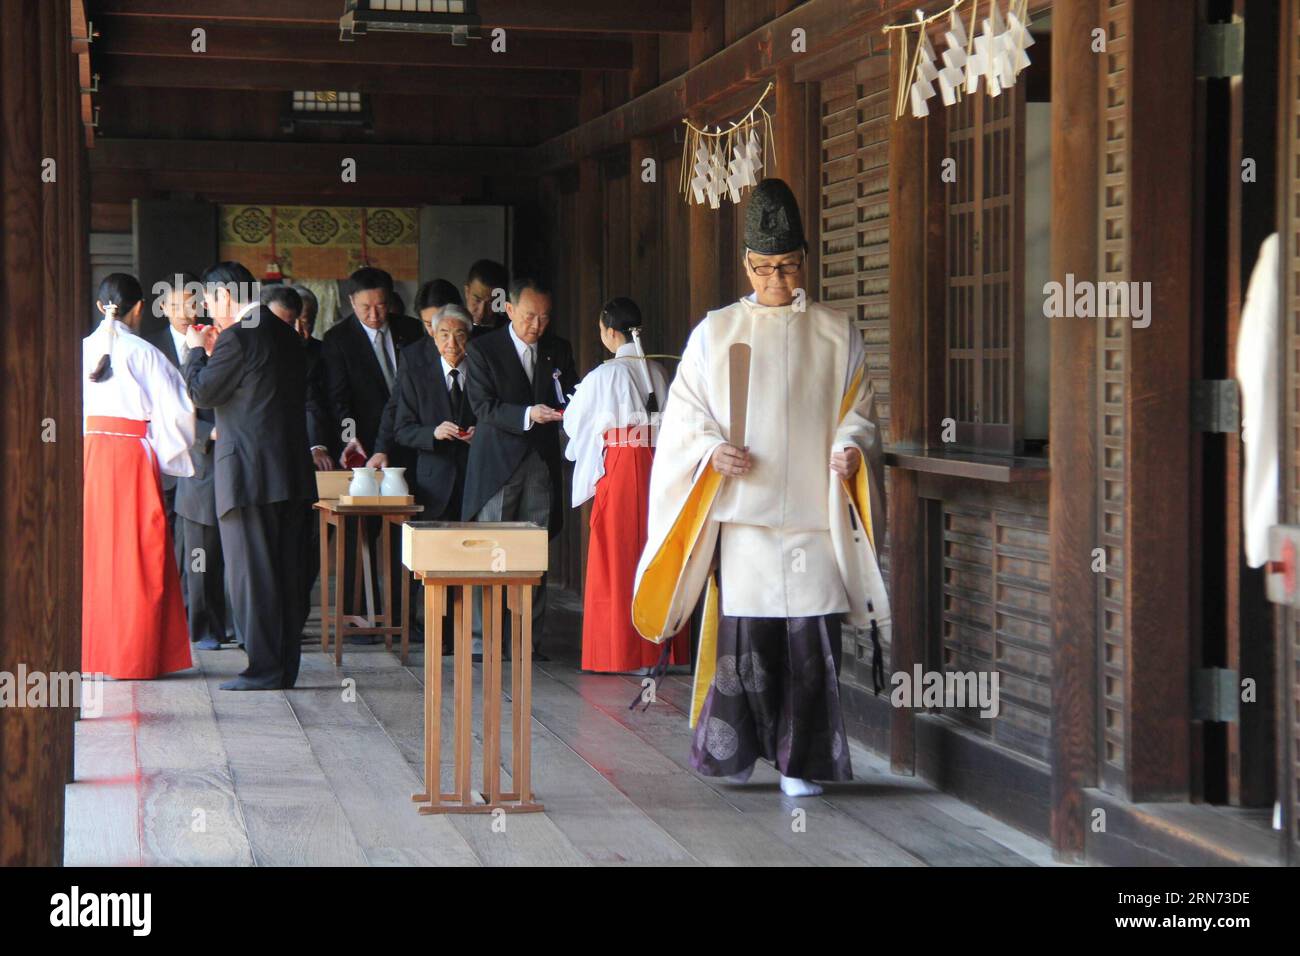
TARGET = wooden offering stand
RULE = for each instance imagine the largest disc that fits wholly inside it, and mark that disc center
(450, 559)
(335, 508)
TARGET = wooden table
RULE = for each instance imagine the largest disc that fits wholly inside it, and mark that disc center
(517, 589)
(334, 515)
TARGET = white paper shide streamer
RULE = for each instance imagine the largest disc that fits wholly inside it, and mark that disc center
(993, 59)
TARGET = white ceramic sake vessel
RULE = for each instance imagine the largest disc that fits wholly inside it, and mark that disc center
(394, 483)
(364, 483)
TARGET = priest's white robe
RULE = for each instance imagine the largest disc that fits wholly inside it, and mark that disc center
(794, 539)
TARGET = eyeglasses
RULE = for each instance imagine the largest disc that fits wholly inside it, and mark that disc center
(786, 268)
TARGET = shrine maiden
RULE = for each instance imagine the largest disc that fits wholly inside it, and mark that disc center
(610, 422)
(139, 424)
(794, 508)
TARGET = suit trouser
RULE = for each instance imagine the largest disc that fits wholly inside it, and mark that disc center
(177, 538)
(526, 496)
(206, 589)
(265, 548)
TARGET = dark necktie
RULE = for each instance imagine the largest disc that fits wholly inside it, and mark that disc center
(457, 397)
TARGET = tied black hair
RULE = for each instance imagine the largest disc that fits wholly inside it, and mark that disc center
(118, 294)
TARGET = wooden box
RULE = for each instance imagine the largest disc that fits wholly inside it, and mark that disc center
(332, 484)
(475, 546)
(377, 500)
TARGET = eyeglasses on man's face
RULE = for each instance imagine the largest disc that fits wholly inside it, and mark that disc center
(785, 268)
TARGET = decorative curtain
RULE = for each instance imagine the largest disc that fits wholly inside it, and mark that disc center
(322, 242)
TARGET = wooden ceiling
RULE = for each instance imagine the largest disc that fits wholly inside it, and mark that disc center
(294, 44)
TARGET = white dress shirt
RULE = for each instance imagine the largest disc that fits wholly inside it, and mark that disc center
(447, 369)
(178, 340)
(388, 342)
(520, 348)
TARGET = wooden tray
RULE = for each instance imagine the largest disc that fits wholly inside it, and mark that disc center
(377, 500)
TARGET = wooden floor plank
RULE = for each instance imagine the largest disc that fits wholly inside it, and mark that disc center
(368, 774)
(394, 695)
(899, 809)
(798, 830)
(599, 821)
(309, 778)
(290, 813)
(190, 814)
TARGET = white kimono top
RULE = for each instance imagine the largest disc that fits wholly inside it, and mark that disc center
(144, 386)
(792, 543)
(612, 395)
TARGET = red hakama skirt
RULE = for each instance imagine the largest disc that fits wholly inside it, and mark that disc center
(618, 534)
(132, 616)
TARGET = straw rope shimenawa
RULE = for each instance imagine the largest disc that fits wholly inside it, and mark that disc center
(721, 144)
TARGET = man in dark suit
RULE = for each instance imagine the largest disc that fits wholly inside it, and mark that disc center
(486, 285)
(433, 417)
(180, 308)
(196, 515)
(361, 360)
(254, 375)
(320, 428)
(360, 355)
(518, 380)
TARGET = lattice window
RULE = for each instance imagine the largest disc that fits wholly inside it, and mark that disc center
(996, 616)
(984, 308)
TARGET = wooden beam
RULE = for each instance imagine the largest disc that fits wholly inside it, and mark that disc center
(591, 16)
(118, 186)
(907, 303)
(1076, 124)
(128, 36)
(289, 159)
(399, 80)
(744, 63)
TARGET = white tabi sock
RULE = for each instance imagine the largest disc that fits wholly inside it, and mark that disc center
(795, 787)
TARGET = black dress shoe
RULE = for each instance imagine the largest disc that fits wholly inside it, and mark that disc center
(540, 657)
(243, 683)
(363, 639)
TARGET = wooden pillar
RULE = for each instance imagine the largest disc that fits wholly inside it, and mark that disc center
(791, 123)
(644, 200)
(907, 305)
(1287, 619)
(1158, 193)
(706, 292)
(590, 233)
(41, 271)
(1073, 401)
